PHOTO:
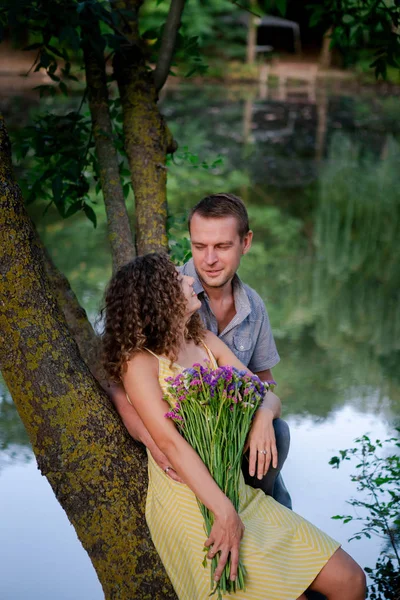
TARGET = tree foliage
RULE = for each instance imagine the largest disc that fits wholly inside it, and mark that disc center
(372, 24)
(378, 507)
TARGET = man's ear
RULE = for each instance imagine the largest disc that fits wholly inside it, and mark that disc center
(248, 238)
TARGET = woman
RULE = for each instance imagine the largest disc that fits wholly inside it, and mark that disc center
(152, 332)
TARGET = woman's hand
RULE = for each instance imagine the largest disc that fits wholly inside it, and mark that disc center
(225, 536)
(262, 444)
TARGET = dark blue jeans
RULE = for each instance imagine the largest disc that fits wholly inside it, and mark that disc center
(272, 484)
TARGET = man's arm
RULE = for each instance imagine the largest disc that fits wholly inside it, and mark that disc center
(265, 355)
(128, 414)
(137, 429)
(265, 375)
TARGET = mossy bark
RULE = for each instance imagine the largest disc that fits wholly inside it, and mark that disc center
(95, 469)
(147, 137)
(119, 231)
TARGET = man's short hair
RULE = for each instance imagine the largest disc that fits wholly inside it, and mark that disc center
(217, 206)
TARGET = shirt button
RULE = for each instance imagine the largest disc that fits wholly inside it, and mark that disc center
(242, 347)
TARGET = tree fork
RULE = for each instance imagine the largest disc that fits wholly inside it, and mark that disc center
(119, 231)
(95, 469)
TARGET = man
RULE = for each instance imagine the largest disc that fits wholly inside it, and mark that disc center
(220, 236)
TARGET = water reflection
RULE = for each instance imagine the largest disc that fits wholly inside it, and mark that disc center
(14, 441)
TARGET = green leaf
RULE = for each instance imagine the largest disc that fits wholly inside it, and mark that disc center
(347, 19)
(316, 16)
(91, 215)
(281, 5)
(57, 189)
(33, 46)
(63, 88)
(70, 35)
(74, 208)
(80, 7)
(45, 59)
(126, 189)
(54, 50)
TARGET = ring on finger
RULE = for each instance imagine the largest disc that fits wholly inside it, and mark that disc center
(263, 451)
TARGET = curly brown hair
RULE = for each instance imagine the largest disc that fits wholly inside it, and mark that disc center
(145, 308)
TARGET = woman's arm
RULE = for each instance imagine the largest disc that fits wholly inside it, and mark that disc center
(262, 435)
(141, 384)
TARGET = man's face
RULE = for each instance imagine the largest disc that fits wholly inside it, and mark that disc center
(217, 248)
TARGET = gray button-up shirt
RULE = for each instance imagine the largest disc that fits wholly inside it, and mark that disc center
(249, 334)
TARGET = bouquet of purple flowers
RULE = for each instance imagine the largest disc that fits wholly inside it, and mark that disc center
(213, 410)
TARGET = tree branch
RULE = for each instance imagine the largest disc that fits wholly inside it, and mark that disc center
(119, 231)
(168, 42)
(75, 316)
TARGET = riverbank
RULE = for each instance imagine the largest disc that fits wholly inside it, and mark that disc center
(17, 74)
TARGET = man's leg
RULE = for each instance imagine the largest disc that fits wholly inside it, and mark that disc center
(272, 484)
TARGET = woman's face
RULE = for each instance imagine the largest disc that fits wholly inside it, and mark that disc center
(193, 303)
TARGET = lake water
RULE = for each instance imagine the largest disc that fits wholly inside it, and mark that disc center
(319, 172)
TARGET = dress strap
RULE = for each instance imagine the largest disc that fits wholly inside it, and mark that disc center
(151, 352)
(157, 357)
(210, 354)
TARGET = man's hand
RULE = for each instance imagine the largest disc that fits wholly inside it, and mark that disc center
(262, 444)
(163, 463)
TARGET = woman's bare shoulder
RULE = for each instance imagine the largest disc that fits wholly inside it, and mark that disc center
(214, 343)
(210, 338)
(142, 362)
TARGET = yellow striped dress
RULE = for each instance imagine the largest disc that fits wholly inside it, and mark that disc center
(281, 551)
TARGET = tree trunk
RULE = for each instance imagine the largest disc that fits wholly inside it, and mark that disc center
(251, 35)
(325, 57)
(119, 231)
(147, 138)
(96, 471)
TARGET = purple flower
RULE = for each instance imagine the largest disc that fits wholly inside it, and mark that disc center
(172, 415)
(191, 371)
